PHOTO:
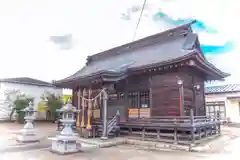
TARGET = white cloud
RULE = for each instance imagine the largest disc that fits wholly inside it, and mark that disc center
(26, 25)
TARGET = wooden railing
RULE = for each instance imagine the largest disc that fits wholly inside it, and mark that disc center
(177, 120)
(174, 129)
(111, 124)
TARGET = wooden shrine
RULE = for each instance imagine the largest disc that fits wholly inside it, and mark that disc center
(160, 75)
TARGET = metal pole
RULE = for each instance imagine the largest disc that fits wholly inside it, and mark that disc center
(118, 123)
(105, 122)
(194, 101)
(181, 92)
(180, 101)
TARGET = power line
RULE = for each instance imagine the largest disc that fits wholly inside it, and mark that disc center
(139, 19)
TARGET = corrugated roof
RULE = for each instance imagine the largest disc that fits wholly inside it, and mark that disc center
(27, 80)
(222, 88)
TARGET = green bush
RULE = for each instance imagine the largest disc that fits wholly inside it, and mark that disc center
(20, 104)
(53, 103)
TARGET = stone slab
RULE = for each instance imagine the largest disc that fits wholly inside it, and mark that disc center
(65, 148)
(23, 147)
(27, 138)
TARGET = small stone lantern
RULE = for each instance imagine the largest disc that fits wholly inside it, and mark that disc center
(28, 133)
(65, 142)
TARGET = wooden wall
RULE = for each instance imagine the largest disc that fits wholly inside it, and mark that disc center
(200, 95)
(164, 92)
(133, 83)
(166, 96)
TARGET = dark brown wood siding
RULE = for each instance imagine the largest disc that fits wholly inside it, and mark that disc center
(165, 93)
(200, 95)
(133, 83)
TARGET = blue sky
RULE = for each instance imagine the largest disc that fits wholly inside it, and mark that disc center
(26, 27)
(199, 27)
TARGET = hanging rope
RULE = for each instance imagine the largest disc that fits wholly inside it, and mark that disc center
(139, 19)
(92, 99)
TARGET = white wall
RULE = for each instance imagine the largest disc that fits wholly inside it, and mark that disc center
(32, 91)
(232, 106)
(67, 92)
(4, 110)
(1, 91)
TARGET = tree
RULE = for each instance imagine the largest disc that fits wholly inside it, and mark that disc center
(11, 96)
(53, 102)
(17, 101)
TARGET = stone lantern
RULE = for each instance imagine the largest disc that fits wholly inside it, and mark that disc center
(28, 133)
(65, 142)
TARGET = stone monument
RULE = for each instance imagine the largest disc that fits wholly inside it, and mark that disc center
(65, 142)
(28, 133)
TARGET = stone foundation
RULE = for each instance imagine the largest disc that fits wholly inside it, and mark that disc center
(27, 138)
(64, 147)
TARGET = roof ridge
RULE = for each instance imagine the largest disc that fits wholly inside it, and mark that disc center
(223, 85)
(126, 47)
(26, 80)
(223, 88)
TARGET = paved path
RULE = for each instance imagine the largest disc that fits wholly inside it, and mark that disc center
(115, 153)
(8, 139)
(227, 149)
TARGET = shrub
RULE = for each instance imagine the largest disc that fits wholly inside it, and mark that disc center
(53, 102)
(18, 101)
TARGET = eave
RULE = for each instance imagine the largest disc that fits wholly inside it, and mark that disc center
(192, 59)
(115, 76)
(163, 64)
(102, 76)
(210, 68)
(27, 83)
(224, 92)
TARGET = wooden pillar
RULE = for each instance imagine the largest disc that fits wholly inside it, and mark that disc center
(89, 111)
(73, 97)
(194, 95)
(181, 99)
(126, 100)
(83, 110)
(138, 103)
(105, 121)
(192, 126)
(150, 95)
(78, 107)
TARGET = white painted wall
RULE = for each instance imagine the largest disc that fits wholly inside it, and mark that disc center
(4, 110)
(31, 90)
(67, 92)
(232, 106)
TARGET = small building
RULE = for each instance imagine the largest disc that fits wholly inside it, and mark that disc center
(226, 99)
(148, 77)
(32, 87)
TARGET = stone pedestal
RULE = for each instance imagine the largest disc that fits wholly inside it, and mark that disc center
(27, 136)
(65, 142)
(28, 133)
(64, 146)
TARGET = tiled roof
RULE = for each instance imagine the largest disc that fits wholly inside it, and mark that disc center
(162, 47)
(223, 88)
(27, 80)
